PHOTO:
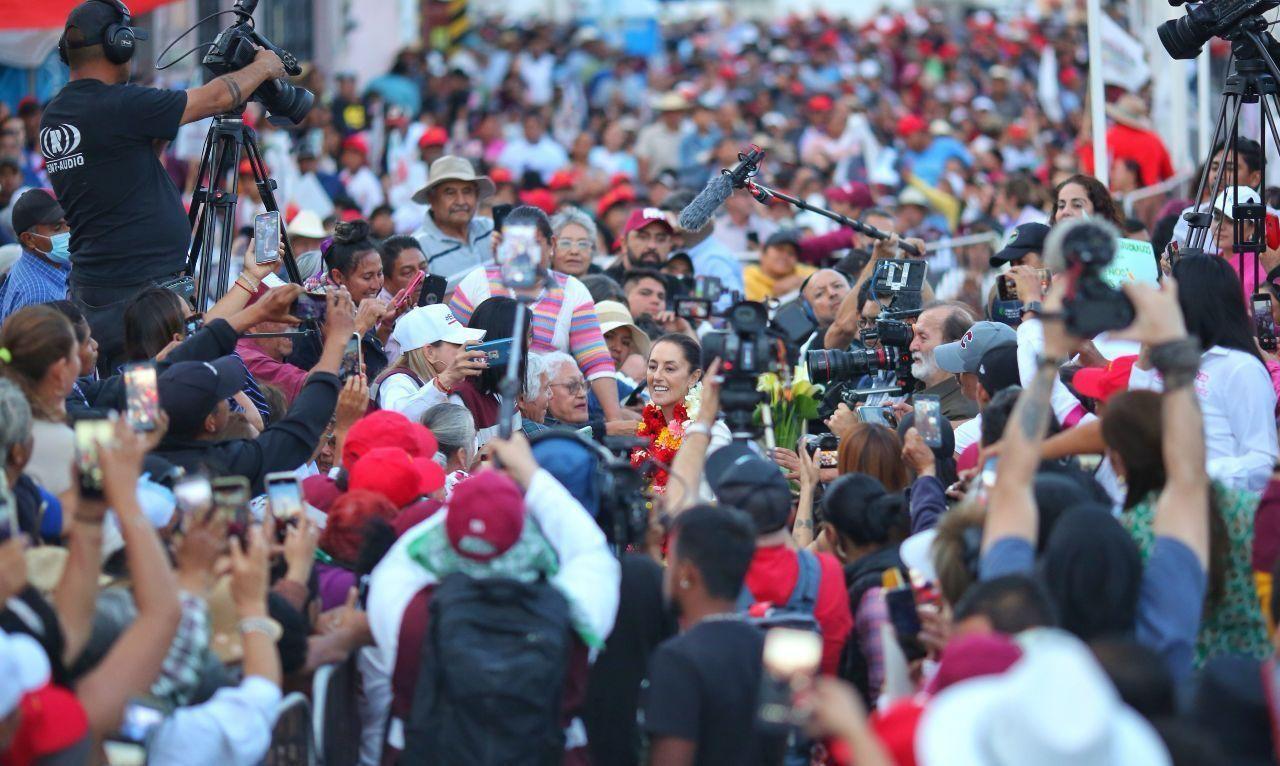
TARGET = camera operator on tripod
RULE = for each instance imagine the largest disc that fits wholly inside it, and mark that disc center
(101, 138)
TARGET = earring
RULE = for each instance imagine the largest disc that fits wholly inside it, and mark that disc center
(684, 584)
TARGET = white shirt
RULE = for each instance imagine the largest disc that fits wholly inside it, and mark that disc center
(399, 392)
(1066, 407)
(967, 433)
(1238, 403)
(364, 188)
(545, 157)
(231, 729)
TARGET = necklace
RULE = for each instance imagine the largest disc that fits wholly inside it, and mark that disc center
(664, 439)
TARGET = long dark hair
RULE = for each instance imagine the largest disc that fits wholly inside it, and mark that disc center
(350, 241)
(1133, 429)
(151, 320)
(1212, 303)
(1103, 205)
(496, 316)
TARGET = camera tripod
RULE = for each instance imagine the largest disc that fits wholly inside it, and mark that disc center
(213, 206)
(1252, 79)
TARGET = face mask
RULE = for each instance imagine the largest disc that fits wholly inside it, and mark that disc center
(60, 248)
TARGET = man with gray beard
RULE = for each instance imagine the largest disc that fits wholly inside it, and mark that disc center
(939, 323)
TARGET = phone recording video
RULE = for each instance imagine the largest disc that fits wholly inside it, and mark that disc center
(192, 324)
(309, 307)
(928, 420)
(90, 434)
(193, 496)
(433, 289)
(1264, 321)
(519, 256)
(284, 494)
(496, 352)
(791, 659)
(142, 400)
(266, 237)
(824, 448)
(880, 415)
(231, 502)
(352, 358)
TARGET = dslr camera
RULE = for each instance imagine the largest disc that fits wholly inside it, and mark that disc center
(901, 282)
(233, 50)
(746, 350)
(1082, 249)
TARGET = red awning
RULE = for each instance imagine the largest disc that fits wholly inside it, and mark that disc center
(52, 14)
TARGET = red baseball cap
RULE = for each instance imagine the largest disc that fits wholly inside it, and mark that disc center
(486, 516)
(387, 428)
(356, 142)
(645, 216)
(617, 196)
(563, 179)
(910, 124)
(500, 176)
(246, 167)
(1102, 382)
(434, 136)
(974, 655)
(394, 474)
(821, 103)
(896, 726)
(853, 193)
(542, 199)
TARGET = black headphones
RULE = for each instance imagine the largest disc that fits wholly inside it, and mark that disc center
(118, 39)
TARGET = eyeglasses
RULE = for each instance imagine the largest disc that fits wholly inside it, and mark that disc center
(574, 387)
(575, 244)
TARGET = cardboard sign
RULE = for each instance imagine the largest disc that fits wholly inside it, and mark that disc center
(1135, 261)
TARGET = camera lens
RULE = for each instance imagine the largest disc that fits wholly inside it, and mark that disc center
(285, 100)
(828, 365)
(1184, 36)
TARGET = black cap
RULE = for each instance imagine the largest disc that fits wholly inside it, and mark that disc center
(740, 477)
(1027, 238)
(788, 237)
(998, 368)
(683, 256)
(35, 207)
(190, 391)
(92, 19)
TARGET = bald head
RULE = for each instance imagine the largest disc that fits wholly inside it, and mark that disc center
(824, 291)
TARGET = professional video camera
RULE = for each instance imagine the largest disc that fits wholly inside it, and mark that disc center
(1082, 249)
(233, 50)
(746, 350)
(902, 283)
(1184, 36)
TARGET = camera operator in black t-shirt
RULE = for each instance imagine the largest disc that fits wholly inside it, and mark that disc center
(101, 141)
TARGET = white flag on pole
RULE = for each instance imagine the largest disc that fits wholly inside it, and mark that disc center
(1124, 60)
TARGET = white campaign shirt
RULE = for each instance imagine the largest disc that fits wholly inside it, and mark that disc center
(399, 392)
(967, 433)
(1238, 403)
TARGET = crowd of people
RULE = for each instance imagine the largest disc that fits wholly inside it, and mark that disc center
(492, 485)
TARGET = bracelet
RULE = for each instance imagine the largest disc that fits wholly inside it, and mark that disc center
(264, 625)
(1055, 361)
(440, 386)
(1177, 361)
(698, 428)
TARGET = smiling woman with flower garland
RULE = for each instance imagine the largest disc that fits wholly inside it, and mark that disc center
(674, 372)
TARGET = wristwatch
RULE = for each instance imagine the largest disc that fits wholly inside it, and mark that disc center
(1032, 307)
(264, 625)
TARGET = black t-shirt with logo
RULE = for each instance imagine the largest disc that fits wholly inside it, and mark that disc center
(128, 224)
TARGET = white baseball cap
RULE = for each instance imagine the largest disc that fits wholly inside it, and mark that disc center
(23, 665)
(428, 324)
(1227, 199)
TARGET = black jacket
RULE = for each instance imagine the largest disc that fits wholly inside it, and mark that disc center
(214, 340)
(286, 444)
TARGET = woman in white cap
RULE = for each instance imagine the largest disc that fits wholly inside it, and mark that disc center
(431, 364)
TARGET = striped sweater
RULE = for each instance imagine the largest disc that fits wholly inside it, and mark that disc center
(564, 317)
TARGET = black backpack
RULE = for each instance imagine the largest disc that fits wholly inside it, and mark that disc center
(493, 669)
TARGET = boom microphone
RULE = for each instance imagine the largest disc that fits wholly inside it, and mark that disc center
(698, 212)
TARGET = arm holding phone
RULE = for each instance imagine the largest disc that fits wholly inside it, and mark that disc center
(686, 467)
(134, 661)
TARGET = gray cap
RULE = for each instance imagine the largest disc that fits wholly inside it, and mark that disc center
(966, 354)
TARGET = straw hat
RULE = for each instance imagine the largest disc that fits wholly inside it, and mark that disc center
(452, 168)
(613, 315)
(1130, 109)
(306, 224)
(670, 102)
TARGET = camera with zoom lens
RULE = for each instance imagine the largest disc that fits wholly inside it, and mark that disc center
(1184, 36)
(1082, 250)
(893, 354)
(234, 49)
(746, 350)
